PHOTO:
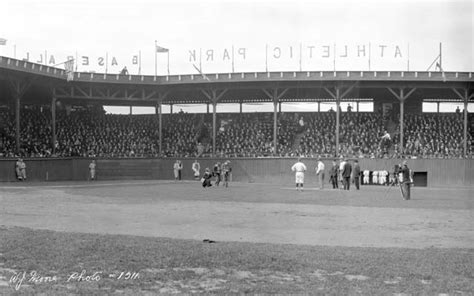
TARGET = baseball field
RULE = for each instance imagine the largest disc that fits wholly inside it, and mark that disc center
(149, 237)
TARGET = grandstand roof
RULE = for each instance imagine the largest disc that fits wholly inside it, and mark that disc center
(233, 87)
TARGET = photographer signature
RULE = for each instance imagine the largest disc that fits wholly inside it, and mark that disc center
(34, 277)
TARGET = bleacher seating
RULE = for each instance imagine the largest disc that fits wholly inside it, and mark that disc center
(92, 133)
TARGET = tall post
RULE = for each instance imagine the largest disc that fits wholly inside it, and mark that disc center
(160, 128)
(214, 107)
(401, 96)
(402, 104)
(437, 107)
(131, 110)
(338, 114)
(171, 109)
(357, 107)
(17, 122)
(275, 125)
(465, 124)
(53, 122)
(440, 56)
(240, 107)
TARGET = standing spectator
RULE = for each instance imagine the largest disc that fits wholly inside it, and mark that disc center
(196, 169)
(356, 174)
(92, 166)
(320, 173)
(346, 174)
(334, 174)
(405, 180)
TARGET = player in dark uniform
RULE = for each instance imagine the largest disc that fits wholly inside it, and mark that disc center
(206, 179)
(217, 173)
(226, 170)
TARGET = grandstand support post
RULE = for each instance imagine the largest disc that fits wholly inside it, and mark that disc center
(465, 97)
(401, 96)
(337, 96)
(159, 108)
(53, 121)
(275, 96)
(160, 127)
(213, 96)
(18, 90)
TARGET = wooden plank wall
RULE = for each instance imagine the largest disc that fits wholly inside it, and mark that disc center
(441, 172)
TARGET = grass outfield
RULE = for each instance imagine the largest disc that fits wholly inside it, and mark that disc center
(190, 266)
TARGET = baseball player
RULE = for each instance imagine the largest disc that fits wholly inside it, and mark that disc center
(92, 166)
(226, 170)
(299, 168)
(196, 169)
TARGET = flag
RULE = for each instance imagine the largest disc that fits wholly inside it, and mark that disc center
(3, 41)
(69, 67)
(161, 49)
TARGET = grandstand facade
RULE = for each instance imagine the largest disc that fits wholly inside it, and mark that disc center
(39, 117)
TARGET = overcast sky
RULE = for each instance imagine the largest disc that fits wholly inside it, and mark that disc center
(278, 35)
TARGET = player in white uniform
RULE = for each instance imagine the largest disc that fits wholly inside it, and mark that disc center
(196, 169)
(375, 178)
(366, 177)
(92, 166)
(299, 168)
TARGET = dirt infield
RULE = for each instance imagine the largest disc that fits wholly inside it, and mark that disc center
(372, 217)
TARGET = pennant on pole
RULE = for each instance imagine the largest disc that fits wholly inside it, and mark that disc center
(161, 49)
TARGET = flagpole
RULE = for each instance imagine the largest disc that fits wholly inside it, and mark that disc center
(301, 56)
(139, 62)
(334, 58)
(168, 52)
(156, 66)
(266, 58)
(45, 57)
(232, 58)
(200, 59)
(408, 61)
(76, 61)
(14, 51)
(106, 62)
(370, 53)
(440, 56)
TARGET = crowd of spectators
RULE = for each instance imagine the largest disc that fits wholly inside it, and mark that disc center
(359, 134)
(92, 133)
